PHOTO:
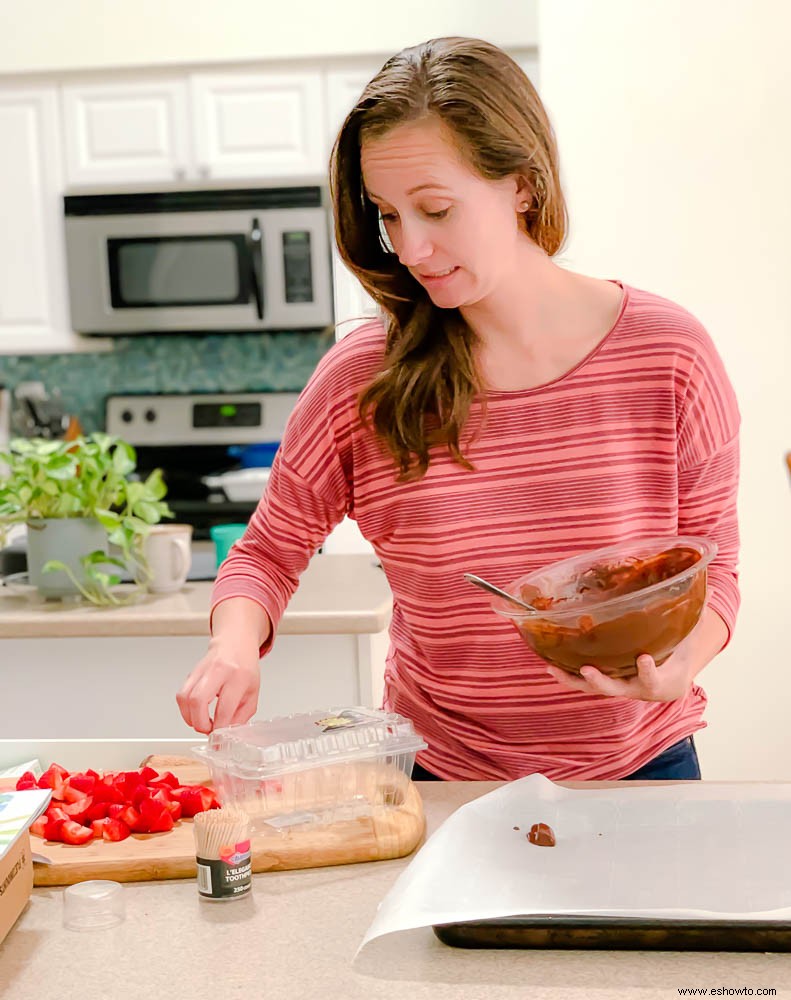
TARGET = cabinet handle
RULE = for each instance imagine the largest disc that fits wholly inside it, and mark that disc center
(180, 173)
(203, 170)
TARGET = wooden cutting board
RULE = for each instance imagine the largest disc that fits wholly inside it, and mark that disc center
(389, 833)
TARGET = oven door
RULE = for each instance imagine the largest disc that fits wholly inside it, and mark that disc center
(230, 271)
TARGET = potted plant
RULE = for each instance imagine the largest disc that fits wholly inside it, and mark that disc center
(85, 512)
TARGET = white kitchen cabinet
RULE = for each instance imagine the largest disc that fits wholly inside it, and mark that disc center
(122, 132)
(259, 125)
(33, 304)
(344, 86)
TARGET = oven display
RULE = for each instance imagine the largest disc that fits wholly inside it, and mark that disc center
(226, 415)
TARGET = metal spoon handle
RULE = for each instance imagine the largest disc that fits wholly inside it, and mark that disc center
(485, 585)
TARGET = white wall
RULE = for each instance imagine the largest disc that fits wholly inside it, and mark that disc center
(44, 35)
(673, 125)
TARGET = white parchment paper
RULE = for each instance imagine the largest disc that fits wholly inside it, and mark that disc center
(720, 851)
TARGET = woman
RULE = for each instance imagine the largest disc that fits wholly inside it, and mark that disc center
(506, 414)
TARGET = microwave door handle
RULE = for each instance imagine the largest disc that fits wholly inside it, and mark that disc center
(256, 245)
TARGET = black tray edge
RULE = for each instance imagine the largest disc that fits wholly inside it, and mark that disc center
(550, 931)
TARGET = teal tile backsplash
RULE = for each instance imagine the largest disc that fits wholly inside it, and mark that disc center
(276, 362)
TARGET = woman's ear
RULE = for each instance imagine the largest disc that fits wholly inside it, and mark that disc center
(524, 194)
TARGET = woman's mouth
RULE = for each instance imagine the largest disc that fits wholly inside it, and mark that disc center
(435, 278)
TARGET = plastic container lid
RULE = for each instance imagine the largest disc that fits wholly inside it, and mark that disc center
(93, 905)
(265, 749)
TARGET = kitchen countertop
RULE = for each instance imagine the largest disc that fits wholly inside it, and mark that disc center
(337, 594)
(296, 935)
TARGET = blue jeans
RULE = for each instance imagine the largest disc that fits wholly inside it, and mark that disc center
(677, 763)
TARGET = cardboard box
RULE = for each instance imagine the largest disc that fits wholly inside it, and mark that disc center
(16, 882)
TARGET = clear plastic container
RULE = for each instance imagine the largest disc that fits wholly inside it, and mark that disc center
(607, 606)
(315, 768)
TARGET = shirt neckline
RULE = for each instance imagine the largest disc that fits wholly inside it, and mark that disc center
(516, 393)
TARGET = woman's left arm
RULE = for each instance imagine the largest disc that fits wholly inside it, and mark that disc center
(708, 476)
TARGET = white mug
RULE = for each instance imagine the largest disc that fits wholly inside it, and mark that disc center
(168, 550)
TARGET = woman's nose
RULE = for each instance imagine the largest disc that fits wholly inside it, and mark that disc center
(412, 246)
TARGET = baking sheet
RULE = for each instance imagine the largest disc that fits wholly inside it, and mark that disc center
(717, 851)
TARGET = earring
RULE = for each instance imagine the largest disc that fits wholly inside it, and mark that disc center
(524, 206)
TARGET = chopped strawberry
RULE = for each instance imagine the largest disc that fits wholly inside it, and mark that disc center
(26, 782)
(75, 833)
(84, 783)
(56, 812)
(190, 800)
(39, 826)
(155, 816)
(78, 811)
(169, 779)
(53, 778)
(208, 799)
(72, 794)
(98, 810)
(148, 774)
(53, 828)
(108, 791)
(174, 808)
(114, 809)
(97, 826)
(133, 820)
(115, 829)
(137, 796)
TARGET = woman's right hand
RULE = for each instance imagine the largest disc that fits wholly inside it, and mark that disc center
(229, 675)
(230, 670)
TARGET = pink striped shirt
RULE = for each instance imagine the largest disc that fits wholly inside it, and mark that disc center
(641, 437)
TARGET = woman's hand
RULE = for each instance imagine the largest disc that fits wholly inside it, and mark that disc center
(230, 675)
(651, 683)
(229, 671)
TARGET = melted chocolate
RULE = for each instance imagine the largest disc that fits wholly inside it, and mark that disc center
(613, 644)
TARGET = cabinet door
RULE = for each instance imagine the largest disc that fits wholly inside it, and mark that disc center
(344, 86)
(126, 132)
(259, 125)
(33, 308)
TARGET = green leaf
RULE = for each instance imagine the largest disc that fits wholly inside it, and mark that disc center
(148, 511)
(123, 460)
(53, 565)
(107, 518)
(155, 485)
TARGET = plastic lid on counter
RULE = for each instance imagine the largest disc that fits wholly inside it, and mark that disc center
(267, 748)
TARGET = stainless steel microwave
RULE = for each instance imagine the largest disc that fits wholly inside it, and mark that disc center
(197, 261)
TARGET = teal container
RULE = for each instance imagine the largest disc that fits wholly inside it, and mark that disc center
(223, 536)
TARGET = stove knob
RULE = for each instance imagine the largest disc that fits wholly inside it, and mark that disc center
(127, 416)
(151, 416)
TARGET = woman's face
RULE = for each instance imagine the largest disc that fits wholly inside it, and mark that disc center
(456, 232)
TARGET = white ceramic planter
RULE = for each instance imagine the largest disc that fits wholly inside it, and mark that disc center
(67, 539)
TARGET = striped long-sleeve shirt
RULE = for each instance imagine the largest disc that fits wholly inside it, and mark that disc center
(640, 437)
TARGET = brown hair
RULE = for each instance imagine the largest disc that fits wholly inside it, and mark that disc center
(423, 394)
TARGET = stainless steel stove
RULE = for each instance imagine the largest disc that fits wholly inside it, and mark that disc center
(195, 435)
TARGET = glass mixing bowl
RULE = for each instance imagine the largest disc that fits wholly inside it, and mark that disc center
(607, 606)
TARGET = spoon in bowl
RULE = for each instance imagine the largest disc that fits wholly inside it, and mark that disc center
(485, 585)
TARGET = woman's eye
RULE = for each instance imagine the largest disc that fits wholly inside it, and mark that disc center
(438, 215)
(388, 216)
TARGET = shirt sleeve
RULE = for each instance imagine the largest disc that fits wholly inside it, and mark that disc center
(308, 493)
(708, 478)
